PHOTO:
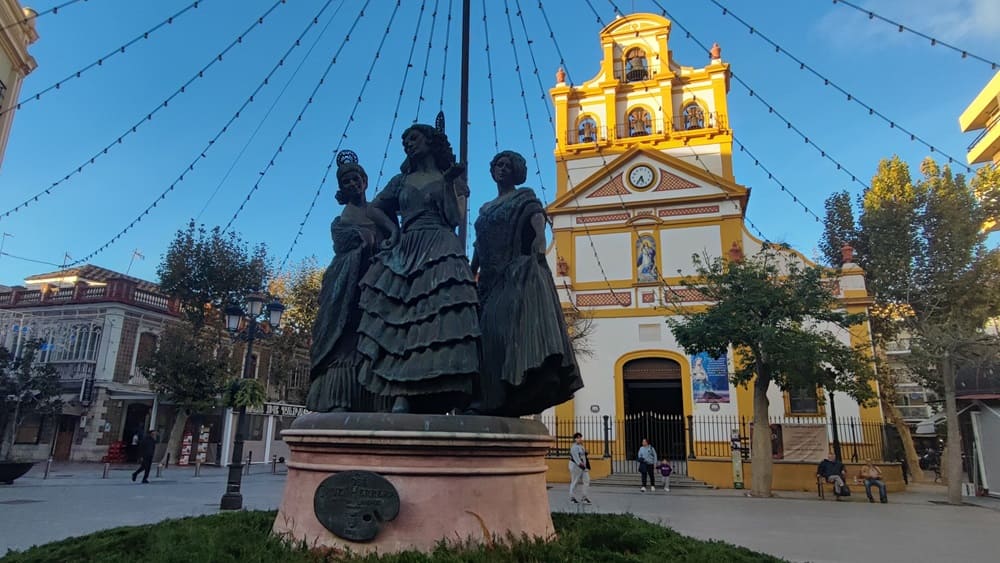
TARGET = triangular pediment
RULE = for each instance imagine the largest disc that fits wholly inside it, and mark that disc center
(674, 181)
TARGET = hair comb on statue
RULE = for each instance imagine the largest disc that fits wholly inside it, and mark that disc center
(439, 122)
(346, 157)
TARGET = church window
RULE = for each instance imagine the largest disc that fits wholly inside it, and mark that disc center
(803, 400)
(640, 123)
(693, 117)
(587, 130)
(636, 66)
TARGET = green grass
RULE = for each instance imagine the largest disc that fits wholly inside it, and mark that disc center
(244, 537)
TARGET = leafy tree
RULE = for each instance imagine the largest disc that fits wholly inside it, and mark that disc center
(189, 369)
(838, 229)
(774, 313)
(206, 269)
(885, 241)
(27, 387)
(299, 292)
(932, 275)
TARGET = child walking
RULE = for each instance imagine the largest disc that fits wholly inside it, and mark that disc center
(665, 471)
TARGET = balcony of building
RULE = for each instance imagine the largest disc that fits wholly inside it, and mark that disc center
(983, 113)
(117, 290)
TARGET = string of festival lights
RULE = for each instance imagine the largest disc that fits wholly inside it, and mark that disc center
(145, 119)
(541, 88)
(444, 64)
(489, 77)
(770, 108)
(427, 60)
(203, 153)
(524, 100)
(893, 124)
(773, 178)
(101, 60)
(341, 139)
(935, 42)
(402, 91)
(298, 119)
(271, 108)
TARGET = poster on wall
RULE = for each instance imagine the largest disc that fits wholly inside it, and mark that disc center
(710, 378)
(645, 259)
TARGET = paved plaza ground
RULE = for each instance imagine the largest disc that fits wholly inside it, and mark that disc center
(75, 500)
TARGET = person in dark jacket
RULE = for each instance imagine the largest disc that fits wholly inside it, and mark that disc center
(832, 470)
(147, 448)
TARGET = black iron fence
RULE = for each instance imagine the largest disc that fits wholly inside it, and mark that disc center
(680, 438)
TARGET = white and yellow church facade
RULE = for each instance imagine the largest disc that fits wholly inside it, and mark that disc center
(645, 180)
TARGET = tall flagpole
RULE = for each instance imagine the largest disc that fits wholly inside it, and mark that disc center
(463, 135)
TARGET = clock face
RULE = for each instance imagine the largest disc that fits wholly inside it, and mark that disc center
(641, 176)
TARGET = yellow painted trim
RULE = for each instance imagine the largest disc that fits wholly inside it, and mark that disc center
(681, 359)
(618, 204)
(820, 405)
(976, 115)
(734, 190)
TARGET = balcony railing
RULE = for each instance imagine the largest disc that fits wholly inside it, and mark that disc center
(635, 74)
(120, 290)
(915, 412)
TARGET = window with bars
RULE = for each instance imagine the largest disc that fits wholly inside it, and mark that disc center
(803, 400)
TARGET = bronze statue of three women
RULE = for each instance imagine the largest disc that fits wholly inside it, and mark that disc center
(404, 322)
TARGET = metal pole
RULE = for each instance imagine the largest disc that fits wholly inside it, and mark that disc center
(463, 126)
(607, 437)
(690, 421)
(836, 433)
(233, 498)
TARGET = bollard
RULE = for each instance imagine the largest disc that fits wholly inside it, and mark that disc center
(249, 461)
(274, 464)
(167, 462)
(159, 470)
(107, 467)
(197, 469)
(48, 466)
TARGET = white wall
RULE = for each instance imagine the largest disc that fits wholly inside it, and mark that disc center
(677, 246)
(614, 253)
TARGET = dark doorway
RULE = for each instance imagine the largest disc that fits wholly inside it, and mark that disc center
(654, 408)
(65, 431)
(136, 424)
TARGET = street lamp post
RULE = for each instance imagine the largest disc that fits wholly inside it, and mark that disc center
(836, 431)
(233, 498)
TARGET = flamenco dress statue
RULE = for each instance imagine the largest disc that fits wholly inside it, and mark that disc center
(333, 354)
(528, 363)
(419, 331)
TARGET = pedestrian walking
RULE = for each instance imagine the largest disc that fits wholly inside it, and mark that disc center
(647, 463)
(147, 448)
(579, 470)
(665, 471)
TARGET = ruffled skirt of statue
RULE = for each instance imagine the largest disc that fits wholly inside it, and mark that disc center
(419, 331)
(528, 362)
(334, 357)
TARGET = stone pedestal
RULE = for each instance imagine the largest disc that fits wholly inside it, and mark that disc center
(457, 477)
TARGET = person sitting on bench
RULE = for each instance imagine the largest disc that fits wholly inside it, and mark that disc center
(832, 471)
(872, 476)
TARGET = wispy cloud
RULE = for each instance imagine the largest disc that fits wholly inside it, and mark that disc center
(948, 20)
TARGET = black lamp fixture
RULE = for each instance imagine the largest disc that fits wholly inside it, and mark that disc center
(236, 316)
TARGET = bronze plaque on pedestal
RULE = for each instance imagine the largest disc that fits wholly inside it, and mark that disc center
(353, 504)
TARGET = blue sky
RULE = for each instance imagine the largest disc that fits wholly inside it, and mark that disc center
(921, 87)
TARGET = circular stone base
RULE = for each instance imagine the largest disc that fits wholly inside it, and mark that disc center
(457, 477)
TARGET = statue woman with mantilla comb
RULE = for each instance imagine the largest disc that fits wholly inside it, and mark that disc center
(419, 331)
(357, 234)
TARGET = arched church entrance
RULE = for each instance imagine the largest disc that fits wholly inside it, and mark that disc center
(654, 409)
